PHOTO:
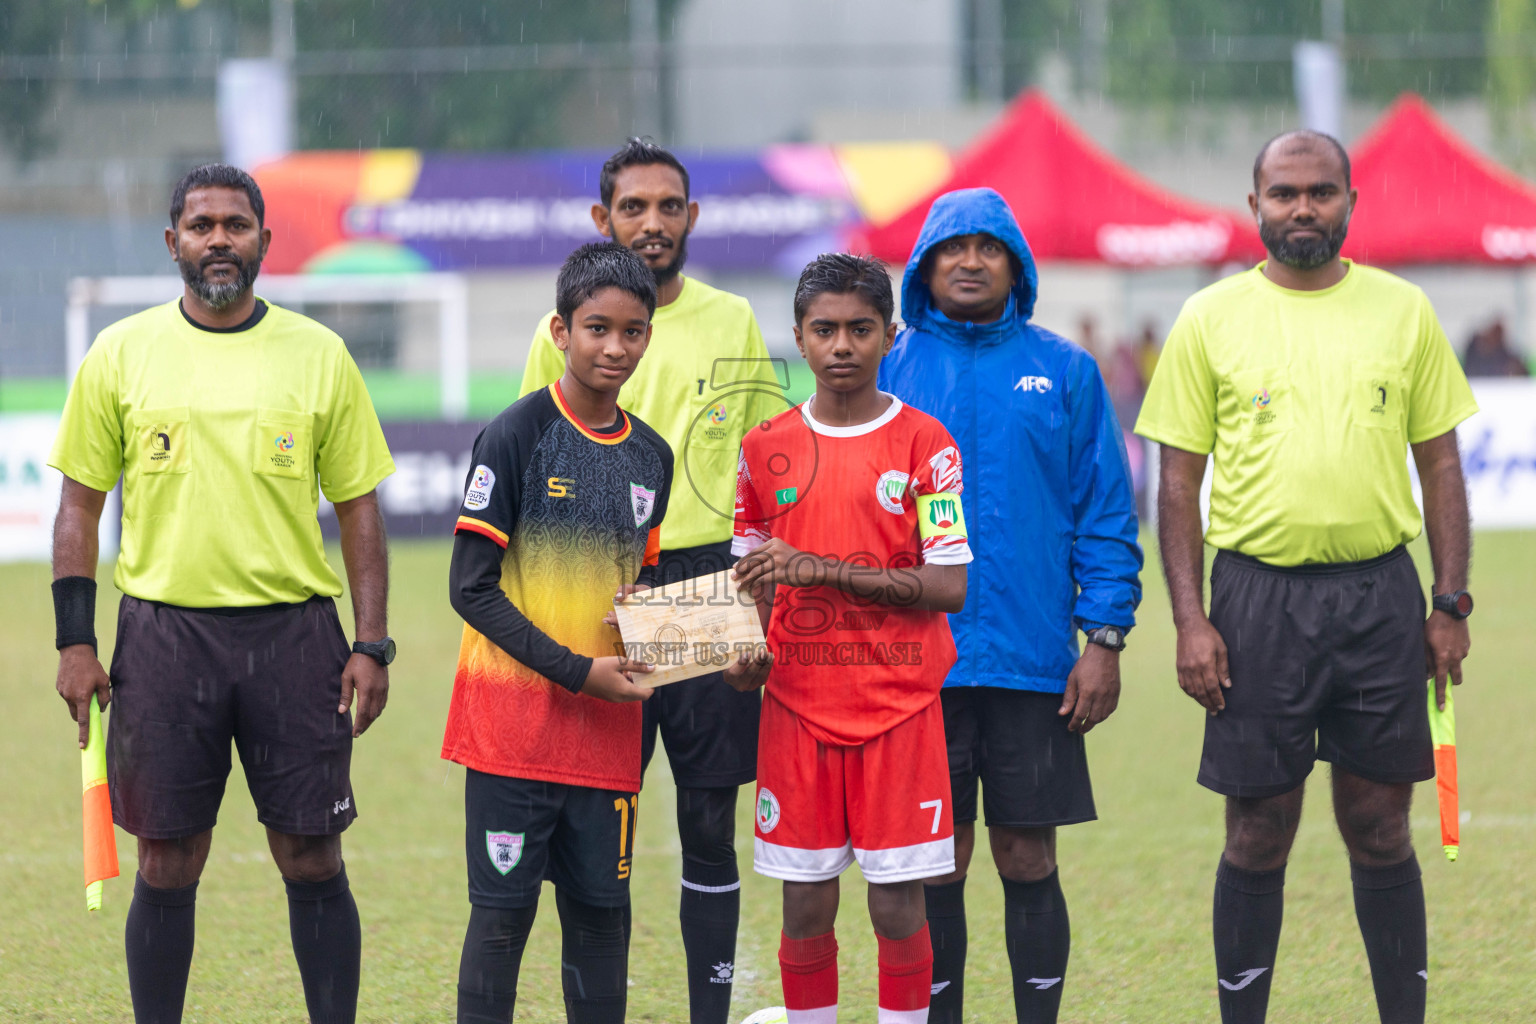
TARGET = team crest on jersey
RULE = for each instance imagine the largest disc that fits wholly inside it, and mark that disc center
(889, 490)
(505, 849)
(478, 496)
(767, 811)
(642, 501)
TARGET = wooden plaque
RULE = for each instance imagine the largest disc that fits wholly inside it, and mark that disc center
(689, 628)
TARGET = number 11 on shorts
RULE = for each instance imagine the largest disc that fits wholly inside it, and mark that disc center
(938, 813)
(629, 811)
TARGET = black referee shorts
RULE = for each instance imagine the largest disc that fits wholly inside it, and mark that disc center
(1327, 663)
(708, 728)
(187, 681)
(1033, 770)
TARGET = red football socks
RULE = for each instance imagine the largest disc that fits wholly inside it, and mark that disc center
(808, 970)
(906, 974)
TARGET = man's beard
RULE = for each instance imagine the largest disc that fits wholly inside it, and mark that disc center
(219, 297)
(1304, 254)
(667, 274)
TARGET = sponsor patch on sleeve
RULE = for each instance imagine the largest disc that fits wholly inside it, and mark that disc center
(478, 496)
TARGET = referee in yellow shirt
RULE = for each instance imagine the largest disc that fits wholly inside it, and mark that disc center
(225, 416)
(704, 382)
(1308, 378)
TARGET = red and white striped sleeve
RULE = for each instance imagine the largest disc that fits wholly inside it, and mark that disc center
(751, 525)
(936, 484)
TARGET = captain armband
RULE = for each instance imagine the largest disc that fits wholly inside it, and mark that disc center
(940, 515)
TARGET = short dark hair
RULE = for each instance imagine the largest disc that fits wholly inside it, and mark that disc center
(599, 265)
(1307, 138)
(639, 151)
(217, 176)
(842, 273)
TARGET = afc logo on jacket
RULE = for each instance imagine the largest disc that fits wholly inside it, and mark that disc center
(1028, 383)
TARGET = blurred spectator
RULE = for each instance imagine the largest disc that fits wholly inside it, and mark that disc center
(1148, 347)
(1088, 338)
(1125, 380)
(1488, 354)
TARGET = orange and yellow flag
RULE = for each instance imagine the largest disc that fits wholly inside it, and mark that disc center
(100, 841)
(1442, 730)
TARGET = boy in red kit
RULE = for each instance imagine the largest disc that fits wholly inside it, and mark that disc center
(849, 524)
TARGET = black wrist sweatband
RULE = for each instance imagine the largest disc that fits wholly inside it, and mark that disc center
(74, 611)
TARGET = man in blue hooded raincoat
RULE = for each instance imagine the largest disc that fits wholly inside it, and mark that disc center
(1048, 494)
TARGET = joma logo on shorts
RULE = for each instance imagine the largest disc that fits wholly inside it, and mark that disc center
(341, 805)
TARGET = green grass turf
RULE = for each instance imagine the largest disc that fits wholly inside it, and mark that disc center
(1138, 881)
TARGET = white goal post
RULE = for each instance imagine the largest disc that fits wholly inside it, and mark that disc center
(449, 291)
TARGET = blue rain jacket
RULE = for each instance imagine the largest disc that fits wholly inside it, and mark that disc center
(1050, 512)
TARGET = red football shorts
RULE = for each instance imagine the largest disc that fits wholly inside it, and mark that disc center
(885, 802)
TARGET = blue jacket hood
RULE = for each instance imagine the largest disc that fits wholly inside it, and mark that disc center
(967, 211)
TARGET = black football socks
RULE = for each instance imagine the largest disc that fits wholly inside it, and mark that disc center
(709, 907)
(1389, 904)
(492, 957)
(709, 910)
(594, 961)
(947, 932)
(1245, 925)
(328, 945)
(1039, 936)
(158, 940)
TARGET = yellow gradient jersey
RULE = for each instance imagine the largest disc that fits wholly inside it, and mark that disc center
(704, 381)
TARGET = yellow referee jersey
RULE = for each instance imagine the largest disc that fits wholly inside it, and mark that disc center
(1309, 401)
(223, 440)
(703, 382)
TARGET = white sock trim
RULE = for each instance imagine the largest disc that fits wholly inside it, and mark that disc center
(696, 887)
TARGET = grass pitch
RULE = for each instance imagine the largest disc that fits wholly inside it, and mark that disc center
(1138, 881)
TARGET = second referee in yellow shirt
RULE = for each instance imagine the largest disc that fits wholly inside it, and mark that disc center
(1309, 377)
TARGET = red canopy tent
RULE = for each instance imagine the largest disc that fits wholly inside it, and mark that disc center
(1076, 202)
(1426, 196)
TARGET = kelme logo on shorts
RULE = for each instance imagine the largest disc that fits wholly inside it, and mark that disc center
(505, 849)
(767, 811)
(889, 490)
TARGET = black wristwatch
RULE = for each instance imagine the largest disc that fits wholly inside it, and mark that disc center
(1109, 637)
(381, 651)
(1458, 604)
